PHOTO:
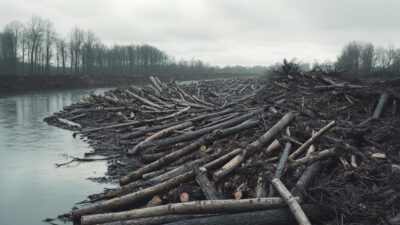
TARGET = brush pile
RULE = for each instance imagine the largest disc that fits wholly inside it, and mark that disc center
(240, 151)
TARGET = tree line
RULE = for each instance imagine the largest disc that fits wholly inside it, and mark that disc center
(35, 48)
(364, 59)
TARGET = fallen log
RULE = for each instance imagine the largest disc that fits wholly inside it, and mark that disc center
(205, 184)
(315, 157)
(159, 134)
(291, 201)
(281, 167)
(190, 148)
(256, 145)
(195, 134)
(129, 199)
(195, 207)
(271, 216)
(158, 220)
(312, 140)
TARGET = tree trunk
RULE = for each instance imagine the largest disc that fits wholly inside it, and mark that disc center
(195, 207)
(265, 217)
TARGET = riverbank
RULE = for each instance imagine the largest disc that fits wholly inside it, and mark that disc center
(10, 84)
(22, 84)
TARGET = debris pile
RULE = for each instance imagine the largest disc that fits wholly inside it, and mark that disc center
(240, 151)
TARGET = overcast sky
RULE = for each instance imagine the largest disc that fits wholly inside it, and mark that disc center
(224, 32)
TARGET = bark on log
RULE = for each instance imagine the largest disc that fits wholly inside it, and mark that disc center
(158, 128)
(155, 84)
(256, 145)
(143, 100)
(291, 201)
(158, 135)
(195, 207)
(158, 220)
(272, 217)
(198, 133)
(315, 157)
(312, 140)
(205, 184)
(281, 167)
(379, 106)
(188, 149)
(129, 199)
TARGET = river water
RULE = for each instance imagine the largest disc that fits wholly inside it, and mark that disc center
(31, 187)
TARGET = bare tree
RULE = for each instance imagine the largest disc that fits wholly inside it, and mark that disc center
(35, 33)
(368, 58)
(49, 40)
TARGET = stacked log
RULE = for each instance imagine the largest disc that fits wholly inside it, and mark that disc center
(212, 151)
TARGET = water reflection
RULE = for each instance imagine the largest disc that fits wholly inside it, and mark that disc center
(31, 188)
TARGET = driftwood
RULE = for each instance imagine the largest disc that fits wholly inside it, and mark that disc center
(206, 186)
(159, 134)
(158, 220)
(312, 140)
(192, 147)
(281, 167)
(196, 207)
(198, 133)
(271, 216)
(256, 145)
(291, 201)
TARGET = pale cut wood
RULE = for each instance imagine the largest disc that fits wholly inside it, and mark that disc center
(291, 201)
(195, 207)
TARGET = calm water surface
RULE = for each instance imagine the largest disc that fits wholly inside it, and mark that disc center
(31, 187)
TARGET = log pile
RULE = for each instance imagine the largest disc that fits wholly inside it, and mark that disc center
(310, 145)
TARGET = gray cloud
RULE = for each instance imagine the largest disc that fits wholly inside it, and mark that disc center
(224, 31)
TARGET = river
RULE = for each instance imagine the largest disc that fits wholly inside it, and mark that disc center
(31, 187)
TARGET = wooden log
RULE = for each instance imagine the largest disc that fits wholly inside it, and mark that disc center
(143, 100)
(160, 127)
(198, 133)
(152, 157)
(240, 191)
(272, 147)
(211, 163)
(155, 84)
(379, 107)
(158, 220)
(291, 201)
(184, 197)
(315, 157)
(254, 146)
(378, 110)
(205, 184)
(308, 175)
(133, 123)
(188, 149)
(281, 167)
(335, 86)
(129, 199)
(265, 217)
(195, 207)
(312, 140)
(158, 135)
(155, 201)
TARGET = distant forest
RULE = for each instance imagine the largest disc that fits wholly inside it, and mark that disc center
(35, 48)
